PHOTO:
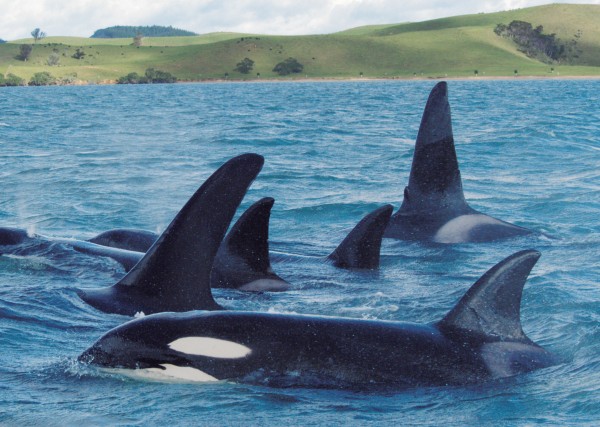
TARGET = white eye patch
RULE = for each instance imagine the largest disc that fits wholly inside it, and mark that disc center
(210, 347)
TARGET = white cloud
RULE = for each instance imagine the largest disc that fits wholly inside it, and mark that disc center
(83, 17)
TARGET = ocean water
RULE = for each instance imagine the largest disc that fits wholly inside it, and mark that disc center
(76, 161)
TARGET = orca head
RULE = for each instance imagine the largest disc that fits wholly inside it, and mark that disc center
(181, 346)
(174, 275)
(12, 236)
(488, 318)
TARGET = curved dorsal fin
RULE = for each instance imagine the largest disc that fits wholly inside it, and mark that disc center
(434, 176)
(243, 257)
(249, 237)
(491, 307)
(362, 246)
(174, 275)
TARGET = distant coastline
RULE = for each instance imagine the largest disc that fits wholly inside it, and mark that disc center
(471, 47)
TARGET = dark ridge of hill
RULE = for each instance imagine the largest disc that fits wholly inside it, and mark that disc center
(119, 32)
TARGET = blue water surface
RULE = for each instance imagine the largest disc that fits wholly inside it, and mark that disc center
(76, 161)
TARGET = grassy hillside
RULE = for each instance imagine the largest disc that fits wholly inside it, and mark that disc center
(449, 47)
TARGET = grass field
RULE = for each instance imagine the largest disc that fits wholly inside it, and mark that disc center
(449, 47)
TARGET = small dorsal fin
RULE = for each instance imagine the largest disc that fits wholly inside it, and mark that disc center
(434, 176)
(125, 238)
(243, 257)
(174, 275)
(249, 237)
(362, 246)
(491, 307)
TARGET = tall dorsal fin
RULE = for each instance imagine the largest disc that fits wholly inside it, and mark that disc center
(361, 247)
(174, 275)
(243, 257)
(434, 176)
(491, 307)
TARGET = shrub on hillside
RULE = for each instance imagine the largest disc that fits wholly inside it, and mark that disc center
(151, 76)
(11, 80)
(42, 79)
(157, 76)
(79, 54)
(132, 79)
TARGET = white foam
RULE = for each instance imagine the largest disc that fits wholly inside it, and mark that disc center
(210, 347)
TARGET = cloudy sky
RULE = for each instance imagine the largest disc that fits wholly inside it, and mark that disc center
(83, 17)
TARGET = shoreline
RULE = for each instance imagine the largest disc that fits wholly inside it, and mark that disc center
(343, 79)
(375, 79)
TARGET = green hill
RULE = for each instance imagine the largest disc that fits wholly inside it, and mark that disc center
(449, 47)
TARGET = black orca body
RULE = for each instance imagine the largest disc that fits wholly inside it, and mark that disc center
(247, 242)
(122, 245)
(479, 339)
(434, 206)
(125, 238)
(243, 260)
(174, 274)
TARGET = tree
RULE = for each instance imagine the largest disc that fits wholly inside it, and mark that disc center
(37, 35)
(289, 66)
(138, 40)
(24, 52)
(53, 59)
(244, 66)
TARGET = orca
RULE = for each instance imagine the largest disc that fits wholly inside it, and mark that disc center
(127, 246)
(126, 238)
(480, 339)
(434, 206)
(242, 261)
(361, 248)
(123, 250)
(174, 274)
